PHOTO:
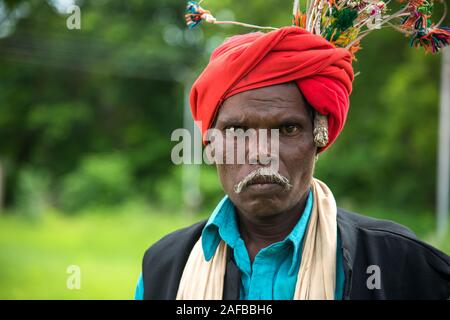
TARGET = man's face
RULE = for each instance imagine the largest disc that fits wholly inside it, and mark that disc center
(279, 107)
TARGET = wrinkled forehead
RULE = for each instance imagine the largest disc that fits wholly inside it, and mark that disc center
(277, 103)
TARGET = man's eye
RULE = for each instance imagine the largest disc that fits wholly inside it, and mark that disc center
(289, 129)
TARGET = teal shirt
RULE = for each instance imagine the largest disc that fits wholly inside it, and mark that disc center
(139, 292)
(273, 274)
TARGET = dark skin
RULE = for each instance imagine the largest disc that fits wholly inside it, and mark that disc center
(268, 212)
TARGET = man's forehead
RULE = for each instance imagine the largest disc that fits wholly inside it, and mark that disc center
(276, 101)
(261, 113)
(280, 92)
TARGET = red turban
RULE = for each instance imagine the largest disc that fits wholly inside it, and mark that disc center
(323, 73)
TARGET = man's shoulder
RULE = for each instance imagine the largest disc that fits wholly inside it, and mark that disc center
(392, 239)
(367, 224)
(164, 261)
(385, 232)
(177, 240)
(410, 268)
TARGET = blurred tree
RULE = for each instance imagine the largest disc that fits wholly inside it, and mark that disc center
(2, 185)
(116, 86)
(113, 85)
(100, 180)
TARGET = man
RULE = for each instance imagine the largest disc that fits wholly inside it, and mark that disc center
(278, 234)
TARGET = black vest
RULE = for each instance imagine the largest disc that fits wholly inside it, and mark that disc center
(409, 268)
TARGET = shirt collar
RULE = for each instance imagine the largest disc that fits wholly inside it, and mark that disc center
(222, 225)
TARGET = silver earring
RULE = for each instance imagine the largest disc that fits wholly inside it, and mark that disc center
(320, 130)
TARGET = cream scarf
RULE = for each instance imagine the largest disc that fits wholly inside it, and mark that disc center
(204, 280)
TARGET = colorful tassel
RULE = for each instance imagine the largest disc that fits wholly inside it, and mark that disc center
(432, 40)
(195, 14)
(346, 22)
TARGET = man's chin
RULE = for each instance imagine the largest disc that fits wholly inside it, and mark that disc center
(262, 200)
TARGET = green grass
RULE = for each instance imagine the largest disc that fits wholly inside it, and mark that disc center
(107, 244)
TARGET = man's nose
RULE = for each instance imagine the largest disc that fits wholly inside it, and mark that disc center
(259, 148)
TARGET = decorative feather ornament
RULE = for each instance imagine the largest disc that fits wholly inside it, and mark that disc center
(344, 23)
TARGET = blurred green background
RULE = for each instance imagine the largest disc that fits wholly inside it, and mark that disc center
(85, 121)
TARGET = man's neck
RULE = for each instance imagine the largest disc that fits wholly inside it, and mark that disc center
(260, 232)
